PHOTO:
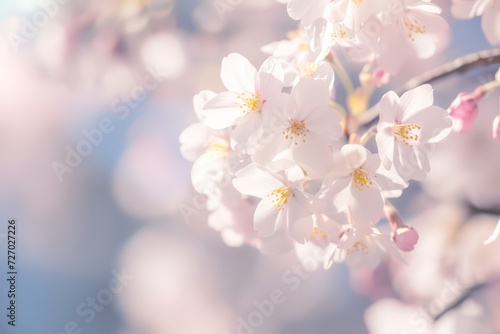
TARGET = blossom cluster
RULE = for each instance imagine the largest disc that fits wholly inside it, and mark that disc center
(285, 165)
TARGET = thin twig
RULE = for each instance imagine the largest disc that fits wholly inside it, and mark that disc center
(459, 65)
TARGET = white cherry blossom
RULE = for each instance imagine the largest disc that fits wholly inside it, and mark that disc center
(407, 129)
(357, 183)
(248, 92)
(284, 204)
(303, 126)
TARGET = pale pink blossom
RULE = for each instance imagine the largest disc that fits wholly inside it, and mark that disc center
(488, 9)
(248, 92)
(357, 183)
(407, 128)
(195, 138)
(299, 61)
(304, 126)
(284, 203)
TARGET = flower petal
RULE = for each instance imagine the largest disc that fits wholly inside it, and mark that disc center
(238, 74)
(270, 78)
(367, 205)
(267, 218)
(415, 100)
(222, 111)
(255, 181)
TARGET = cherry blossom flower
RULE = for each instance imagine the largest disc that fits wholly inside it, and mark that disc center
(298, 60)
(233, 218)
(304, 125)
(488, 9)
(248, 92)
(357, 183)
(363, 246)
(421, 31)
(195, 138)
(407, 128)
(284, 204)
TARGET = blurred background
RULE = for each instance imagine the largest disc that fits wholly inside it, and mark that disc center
(103, 245)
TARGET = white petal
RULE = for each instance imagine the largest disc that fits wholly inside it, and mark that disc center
(385, 146)
(463, 9)
(248, 129)
(268, 148)
(367, 205)
(238, 74)
(491, 23)
(494, 236)
(355, 155)
(341, 195)
(270, 78)
(206, 172)
(222, 111)
(267, 218)
(307, 11)
(313, 155)
(309, 94)
(193, 140)
(416, 99)
(255, 181)
(199, 101)
(300, 221)
(388, 108)
(435, 122)
(325, 121)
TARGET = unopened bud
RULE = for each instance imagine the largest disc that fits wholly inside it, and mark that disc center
(463, 110)
(405, 238)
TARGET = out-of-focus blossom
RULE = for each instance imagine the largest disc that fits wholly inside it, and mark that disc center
(488, 9)
(195, 138)
(496, 126)
(494, 236)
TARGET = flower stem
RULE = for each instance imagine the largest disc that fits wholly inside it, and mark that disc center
(368, 134)
(342, 73)
(491, 85)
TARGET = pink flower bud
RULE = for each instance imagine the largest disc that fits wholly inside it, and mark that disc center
(381, 77)
(463, 110)
(405, 238)
(496, 127)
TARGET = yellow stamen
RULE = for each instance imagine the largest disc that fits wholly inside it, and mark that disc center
(250, 102)
(361, 179)
(296, 129)
(412, 26)
(316, 232)
(407, 133)
(358, 246)
(308, 69)
(280, 197)
(217, 147)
